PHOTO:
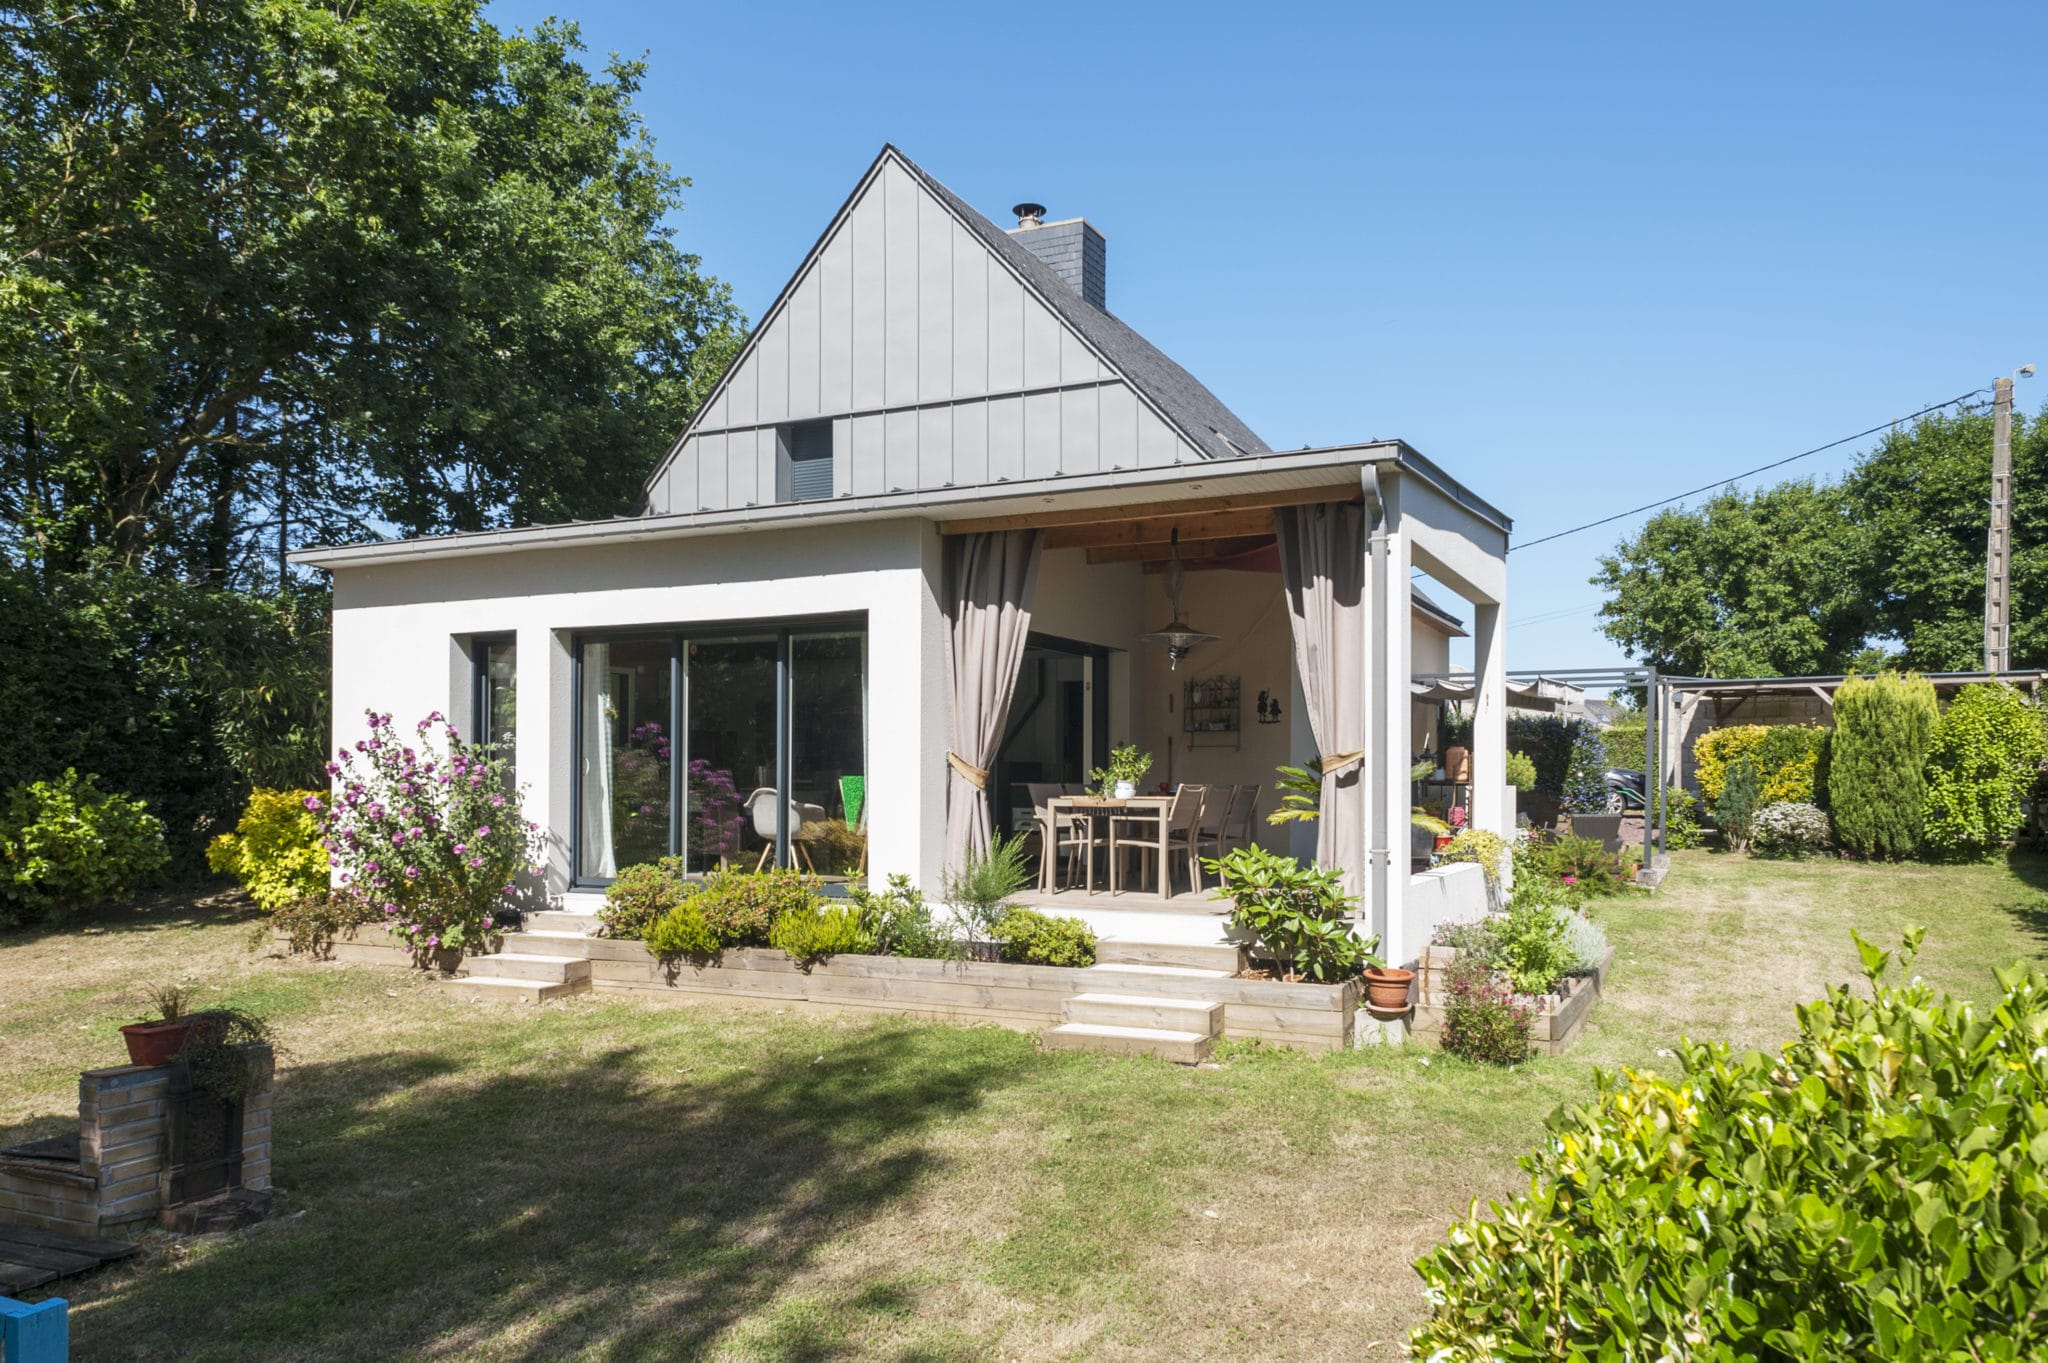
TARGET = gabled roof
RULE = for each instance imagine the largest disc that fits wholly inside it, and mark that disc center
(1180, 397)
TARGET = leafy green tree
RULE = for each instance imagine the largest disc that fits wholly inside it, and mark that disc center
(1750, 584)
(1986, 755)
(1876, 761)
(1919, 505)
(277, 269)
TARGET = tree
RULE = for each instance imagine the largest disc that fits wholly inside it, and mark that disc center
(1750, 584)
(1885, 567)
(1876, 760)
(1918, 502)
(287, 269)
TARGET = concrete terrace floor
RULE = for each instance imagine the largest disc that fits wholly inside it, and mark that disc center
(606, 1179)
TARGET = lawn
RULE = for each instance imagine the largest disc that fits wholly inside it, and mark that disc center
(610, 1178)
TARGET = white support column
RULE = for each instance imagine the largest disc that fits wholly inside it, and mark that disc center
(1490, 719)
(1389, 713)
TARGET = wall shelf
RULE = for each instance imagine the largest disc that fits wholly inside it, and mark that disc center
(1211, 712)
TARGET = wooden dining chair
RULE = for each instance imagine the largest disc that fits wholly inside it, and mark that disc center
(1155, 837)
(1071, 837)
(1204, 830)
(1240, 825)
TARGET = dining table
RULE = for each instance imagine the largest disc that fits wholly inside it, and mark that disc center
(1093, 807)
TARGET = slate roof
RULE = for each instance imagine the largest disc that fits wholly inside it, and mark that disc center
(1179, 395)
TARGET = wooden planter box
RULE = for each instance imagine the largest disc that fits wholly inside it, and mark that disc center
(1559, 1019)
(371, 945)
(1026, 997)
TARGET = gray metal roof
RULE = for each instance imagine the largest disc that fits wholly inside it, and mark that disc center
(1198, 413)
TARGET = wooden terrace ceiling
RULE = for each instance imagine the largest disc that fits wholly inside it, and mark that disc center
(1210, 527)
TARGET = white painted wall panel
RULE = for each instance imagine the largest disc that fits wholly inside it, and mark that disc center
(1119, 427)
(1080, 436)
(835, 325)
(805, 342)
(1158, 444)
(1041, 435)
(1077, 362)
(899, 451)
(934, 447)
(771, 373)
(741, 393)
(971, 267)
(865, 451)
(865, 225)
(711, 483)
(1042, 333)
(935, 232)
(1006, 304)
(842, 467)
(1005, 439)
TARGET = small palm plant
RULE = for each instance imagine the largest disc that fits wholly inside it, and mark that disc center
(1301, 795)
(981, 890)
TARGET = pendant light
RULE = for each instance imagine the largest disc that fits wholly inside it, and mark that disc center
(1178, 636)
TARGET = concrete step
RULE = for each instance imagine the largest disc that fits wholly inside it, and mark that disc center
(534, 942)
(509, 966)
(1186, 1048)
(1224, 956)
(1137, 1010)
(556, 920)
(483, 987)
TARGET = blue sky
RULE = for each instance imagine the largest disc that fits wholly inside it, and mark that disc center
(1581, 256)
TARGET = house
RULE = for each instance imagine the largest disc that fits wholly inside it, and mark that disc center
(914, 554)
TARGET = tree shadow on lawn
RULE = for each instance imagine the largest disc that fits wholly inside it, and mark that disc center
(2030, 868)
(199, 905)
(533, 1213)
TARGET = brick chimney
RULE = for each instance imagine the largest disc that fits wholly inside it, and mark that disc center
(1075, 250)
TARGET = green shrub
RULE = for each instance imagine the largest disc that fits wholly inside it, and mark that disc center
(982, 888)
(642, 894)
(277, 850)
(1985, 757)
(311, 922)
(809, 935)
(1786, 757)
(1475, 939)
(1875, 1190)
(1295, 912)
(1877, 760)
(1628, 745)
(1585, 773)
(681, 930)
(1587, 942)
(66, 844)
(1741, 795)
(1483, 1020)
(1489, 851)
(1568, 870)
(900, 923)
(1532, 950)
(1790, 830)
(1546, 740)
(1033, 938)
(1681, 822)
(740, 908)
(834, 845)
(1521, 772)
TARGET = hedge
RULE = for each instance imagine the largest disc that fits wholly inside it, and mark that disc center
(1985, 756)
(1878, 1189)
(1786, 756)
(1628, 745)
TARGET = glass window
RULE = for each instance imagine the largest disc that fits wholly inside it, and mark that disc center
(804, 473)
(731, 810)
(773, 743)
(828, 749)
(627, 754)
(497, 675)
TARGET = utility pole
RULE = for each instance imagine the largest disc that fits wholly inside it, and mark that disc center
(1998, 549)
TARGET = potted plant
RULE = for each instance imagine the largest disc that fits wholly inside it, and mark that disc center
(1457, 748)
(1127, 767)
(1386, 990)
(157, 1040)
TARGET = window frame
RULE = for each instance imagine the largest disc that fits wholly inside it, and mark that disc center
(786, 459)
(480, 646)
(679, 636)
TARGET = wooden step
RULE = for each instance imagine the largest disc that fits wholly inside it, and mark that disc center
(1186, 1048)
(1145, 1012)
(557, 920)
(498, 990)
(528, 966)
(1223, 956)
(542, 942)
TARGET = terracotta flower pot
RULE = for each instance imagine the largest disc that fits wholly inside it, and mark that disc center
(1443, 840)
(156, 1043)
(1387, 989)
(1458, 764)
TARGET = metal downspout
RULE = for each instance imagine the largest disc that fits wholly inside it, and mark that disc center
(1379, 796)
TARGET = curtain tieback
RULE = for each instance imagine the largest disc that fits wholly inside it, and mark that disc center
(1333, 763)
(976, 776)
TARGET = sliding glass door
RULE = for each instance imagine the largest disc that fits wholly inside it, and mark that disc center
(721, 746)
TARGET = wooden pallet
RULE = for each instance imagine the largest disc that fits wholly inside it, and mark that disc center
(29, 1258)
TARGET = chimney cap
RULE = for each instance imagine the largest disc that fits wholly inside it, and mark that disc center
(1029, 214)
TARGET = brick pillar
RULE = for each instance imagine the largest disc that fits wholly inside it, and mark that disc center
(121, 1138)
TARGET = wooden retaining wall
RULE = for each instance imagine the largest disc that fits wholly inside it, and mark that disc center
(1559, 1019)
(371, 945)
(1026, 997)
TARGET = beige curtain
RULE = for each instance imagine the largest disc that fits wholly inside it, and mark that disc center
(989, 582)
(1322, 567)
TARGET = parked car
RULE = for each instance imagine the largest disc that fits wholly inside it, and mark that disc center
(1625, 790)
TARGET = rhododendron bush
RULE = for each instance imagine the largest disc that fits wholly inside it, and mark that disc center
(430, 834)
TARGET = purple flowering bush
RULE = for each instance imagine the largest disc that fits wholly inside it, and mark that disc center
(640, 795)
(1483, 1018)
(433, 839)
(714, 828)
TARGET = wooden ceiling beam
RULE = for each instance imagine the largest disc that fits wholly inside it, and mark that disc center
(1095, 515)
(1197, 552)
(1213, 525)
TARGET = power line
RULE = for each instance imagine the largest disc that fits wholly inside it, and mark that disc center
(1750, 473)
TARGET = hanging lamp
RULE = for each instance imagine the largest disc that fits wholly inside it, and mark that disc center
(1177, 636)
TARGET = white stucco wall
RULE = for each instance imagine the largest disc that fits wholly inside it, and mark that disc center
(400, 635)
